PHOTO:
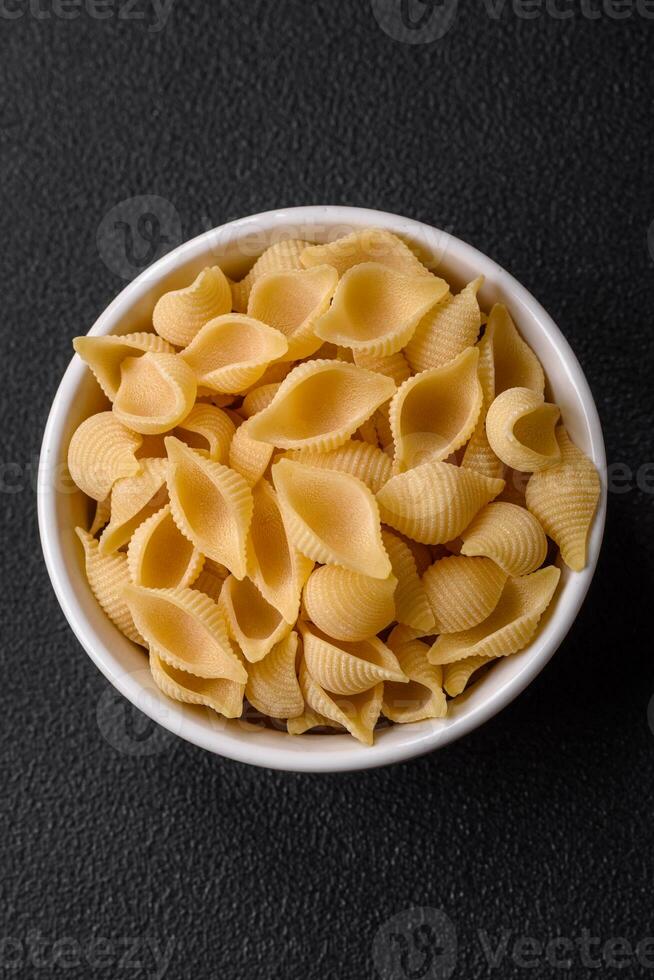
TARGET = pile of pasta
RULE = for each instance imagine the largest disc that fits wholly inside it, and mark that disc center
(326, 491)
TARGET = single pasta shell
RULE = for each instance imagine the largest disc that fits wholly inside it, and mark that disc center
(248, 456)
(462, 591)
(446, 330)
(101, 451)
(104, 355)
(278, 257)
(360, 459)
(133, 499)
(213, 429)
(292, 301)
(156, 392)
(564, 499)
(412, 606)
(366, 245)
(508, 534)
(160, 557)
(393, 366)
(179, 314)
(258, 398)
(510, 626)
(107, 576)
(223, 696)
(457, 675)
(434, 502)
(478, 454)
(273, 687)
(347, 605)
(342, 667)
(514, 363)
(230, 353)
(423, 697)
(520, 427)
(251, 620)
(358, 713)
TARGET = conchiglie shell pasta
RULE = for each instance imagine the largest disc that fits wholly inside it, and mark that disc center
(102, 451)
(107, 576)
(223, 696)
(457, 675)
(230, 353)
(208, 427)
(366, 462)
(211, 505)
(423, 696)
(358, 713)
(376, 309)
(514, 363)
(320, 405)
(434, 502)
(393, 366)
(291, 302)
(179, 314)
(160, 557)
(412, 606)
(434, 413)
(186, 629)
(307, 720)
(258, 398)
(156, 392)
(104, 355)
(347, 605)
(277, 258)
(368, 245)
(252, 621)
(520, 427)
(478, 454)
(133, 499)
(248, 456)
(331, 517)
(509, 627)
(462, 591)
(342, 667)
(446, 330)
(508, 534)
(564, 499)
(272, 686)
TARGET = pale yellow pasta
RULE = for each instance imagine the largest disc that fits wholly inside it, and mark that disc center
(107, 576)
(251, 620)
(446, 330)
(156, 392)
(384, 431)
(412, 607)
(292, 302)
(104, 355)
(222, 695)
(210, 428)
(275, 566)
(514, 363)
(376, 309)
(231, 353)
(211, 505)
(478, 454)
(435, 412)
(101, 451)
(211, 397)
(273, 687)
(211, 578)
(520, 427)
(101, 516)
(434, 502)
(457, 675)
(394, 366)
(358, 713)
(160, 557)
(462, 591)
(367, 432)
(510, 626)
(309, 719)
(248, 456)
(360, 459)
(347, 605)
(564, 499)
(347, 667)
(274, 374)
(508, 534)
(186, 629)
(423, 697)
(180, 313)
(277, 258)
(367, 245)
(133, 499)
(319, 406)
(331, 517)
(258, 398)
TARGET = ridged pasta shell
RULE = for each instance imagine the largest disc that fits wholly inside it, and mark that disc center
(360, 459)
(107, 576)
(291, 302)
(564, 499)
(160, 557)
(463, 591)
(248, 456)
(273, 687)
(251, 620)
(319, 405)
(104, 355)
(180, 313)
(520, 427)
(101, 451)
(508, 534)
(258, 398)
(514, 363)
(412, 606)
(275, 566)
(393, 366)
(211, 505)
(478, 454)
(435, 412)
(434, 502)
(343, 667)
(331, 517)
(358, 713)
(223, 696)
(213, 428)
(187, 630)
(446, 330)
(457, 675)
(347, 605)
(230, 353)
(367, 245)
(133, 499)
(307, 720)
(156, 392)
(422, 698)
(277, 258)
(376, 309)
(509, 627)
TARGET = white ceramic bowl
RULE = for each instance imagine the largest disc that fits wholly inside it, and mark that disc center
(61, 508)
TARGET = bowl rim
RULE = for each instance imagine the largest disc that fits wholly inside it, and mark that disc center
(342, 753)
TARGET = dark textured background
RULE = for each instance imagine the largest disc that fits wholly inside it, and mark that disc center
(532, 140)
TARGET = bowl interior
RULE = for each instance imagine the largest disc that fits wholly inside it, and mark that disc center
(62, 507)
